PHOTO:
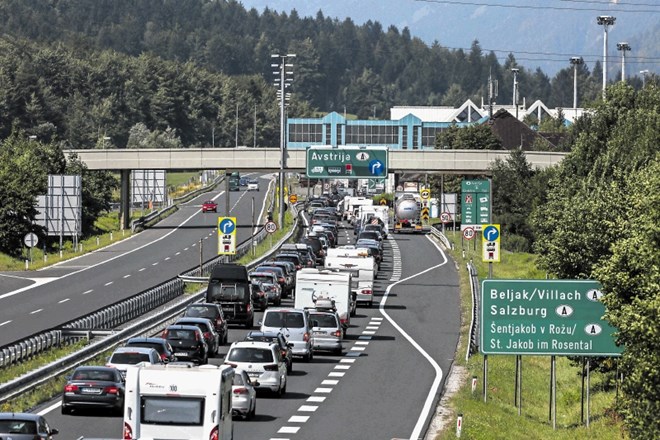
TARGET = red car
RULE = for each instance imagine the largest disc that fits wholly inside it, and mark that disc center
(209, 205)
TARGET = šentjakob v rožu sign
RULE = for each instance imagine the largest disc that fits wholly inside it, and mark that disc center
(552, 317)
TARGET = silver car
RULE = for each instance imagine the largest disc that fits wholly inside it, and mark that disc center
(262, 362)
(243, 395)
(24, 426)
(327, 331)
(296, 327)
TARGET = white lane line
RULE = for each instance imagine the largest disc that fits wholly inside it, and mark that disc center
(185, 249)
(194, 244)
(342, 367)
(108, 283)
(88, 291)
(308, 408)
(167, 258)
(336, 374)
(353, 353)
(355, 348)
(35, 311)
(368, 332)
(5, 323)
(63, 301)
(298, 419)
(144, 268)
(373, 324)
(289, 430)
(329, 382)
(178, 253)
(417, 431)
(372, 327)
(377, 318)
(54, 406)
(323, 390)
(347, 361)
(316, 399)
(362, 343)
(126, 276)
(155, 264)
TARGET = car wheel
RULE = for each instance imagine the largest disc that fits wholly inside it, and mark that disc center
(339, 350)
(371, 303)
(250, 415)
(289, 367)
(66, 410)
(249, 323)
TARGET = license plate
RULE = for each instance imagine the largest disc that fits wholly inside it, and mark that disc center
(254, 374)
(91, 390)
(320, 333)
(181, 354)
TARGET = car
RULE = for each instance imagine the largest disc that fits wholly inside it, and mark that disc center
(124, 357)
(281, 277)
(209, 206)
(211, 337)
(263, 363)
(273, 293)
(24, 426)
(275, 338)
(292, 257)
(327, 331)
(296, 327)
(243, 395)
(370, 235)
(243, 181)
(214, 313)
(94, 387)
(188, 343)
(259, 297)
(253, 185)
(164, 349)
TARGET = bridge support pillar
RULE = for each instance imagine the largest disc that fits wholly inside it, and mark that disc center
(125, 202)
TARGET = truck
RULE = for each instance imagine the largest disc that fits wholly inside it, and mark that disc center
(351, 205)
(361, 265)
(320, 286)
(178, 401)
(235, 181)
(230, 286)
(407, 210)
(382, 212)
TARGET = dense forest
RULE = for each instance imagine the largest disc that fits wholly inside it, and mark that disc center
(363, 69)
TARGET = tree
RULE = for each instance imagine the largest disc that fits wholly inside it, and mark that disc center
(473, 137)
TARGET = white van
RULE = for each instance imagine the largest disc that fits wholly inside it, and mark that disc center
(365, 266)
(351, 205)
(173, 402)
(382, 212)
(314, 285)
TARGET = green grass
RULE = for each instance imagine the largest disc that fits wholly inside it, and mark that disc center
(498, 418)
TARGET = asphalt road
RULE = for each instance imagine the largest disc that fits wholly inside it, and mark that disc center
(34, 301)
(385, 383)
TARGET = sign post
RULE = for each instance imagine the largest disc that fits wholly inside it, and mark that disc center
(30, 241)
(325, 162)
(226, 235)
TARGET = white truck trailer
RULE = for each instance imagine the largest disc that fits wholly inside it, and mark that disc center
(313, 285)
(171, 402)
(360, 263)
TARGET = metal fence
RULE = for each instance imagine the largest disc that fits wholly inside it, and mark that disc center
(473, 346)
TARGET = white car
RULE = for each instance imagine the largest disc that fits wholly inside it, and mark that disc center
(253, 185)
(243, 395)
(262, 361)
(124, 357)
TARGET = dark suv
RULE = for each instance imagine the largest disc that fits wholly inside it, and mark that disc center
(229, 286)
(188, 343)
(212, 312)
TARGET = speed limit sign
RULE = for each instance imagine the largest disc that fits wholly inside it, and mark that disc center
(468, 233)
(270, 227)
(445, 217)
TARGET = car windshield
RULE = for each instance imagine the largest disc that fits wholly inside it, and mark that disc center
(284, 319)
(186, 335)
(324, 320)
(263, 277)
(249, 354)
(200, 312)
(129, 358)
(18, 427)
(93, 375)
(238, 379)
(156, 346)
(228, 292)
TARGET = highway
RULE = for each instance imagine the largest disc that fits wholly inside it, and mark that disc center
(394, 363)
(34, 301)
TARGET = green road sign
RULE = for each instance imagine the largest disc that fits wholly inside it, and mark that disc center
(376, 183)
(475, 203)
(347, 162)
(545, 317)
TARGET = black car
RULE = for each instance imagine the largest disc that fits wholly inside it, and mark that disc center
(214, 313)
(292, 257)
(369, 235)
(281, 277)
(317, 248)
(259, 297)
(163, 347)
(94, 387)
(280, 340)
(188, 343)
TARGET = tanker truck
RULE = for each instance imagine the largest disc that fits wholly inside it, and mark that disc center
(407, 213)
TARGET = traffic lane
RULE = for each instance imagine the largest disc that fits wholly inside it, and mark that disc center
(162, 257)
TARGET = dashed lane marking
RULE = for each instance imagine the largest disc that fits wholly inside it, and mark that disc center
(5, 323)
(108, 283)
(342, 367)
(323, 390)
(88, 291)
(329, 382)
(308, 408)
(316, 399)
(289, 430)
(35, 311)
(64, 300)
(336, 374)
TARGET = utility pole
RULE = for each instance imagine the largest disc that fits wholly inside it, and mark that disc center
(492, 94)
(623, 47)
(644, 73)
(515, 89)
(575, 61)
(605, 21)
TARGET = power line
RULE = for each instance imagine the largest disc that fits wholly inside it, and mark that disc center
(544, 8)
(608, 2)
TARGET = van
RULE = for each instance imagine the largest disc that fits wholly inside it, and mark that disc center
(296, 327)
(313, 286)
(172, 402)
(229, 286)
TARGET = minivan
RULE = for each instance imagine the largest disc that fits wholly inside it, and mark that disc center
(296, 327)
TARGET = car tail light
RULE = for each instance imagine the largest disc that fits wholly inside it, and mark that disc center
(128, 432)
(196, 336)
(207, 335)
(248, 308)
(164, 335)
(214, 433)
(70, 388)
(343, 321)
(240, 391)
(218, 322)
(337, 334)
(298, 267)
(163, 357)
(283, 353)
(111, 390)
(270, 367)
(281, 280)
(306, 337)
(366, 292)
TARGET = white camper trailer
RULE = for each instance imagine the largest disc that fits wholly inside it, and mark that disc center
(313, 285)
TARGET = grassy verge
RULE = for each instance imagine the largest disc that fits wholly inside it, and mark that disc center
(498, 418)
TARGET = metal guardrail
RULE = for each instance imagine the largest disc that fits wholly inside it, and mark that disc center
(111, 317)
(440, 236)
(473, 346)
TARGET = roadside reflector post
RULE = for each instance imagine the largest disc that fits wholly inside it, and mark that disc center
(459, 425)
(98, 241)
(474, 384)
(27, 264)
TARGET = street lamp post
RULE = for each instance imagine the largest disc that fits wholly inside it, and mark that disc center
(283, 83)
(575, 61)
(605, 21)
(515, 89)
(644, 73)
(623, 47)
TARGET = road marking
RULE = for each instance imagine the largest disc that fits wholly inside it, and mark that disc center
(298, 419)
(194, 244)
(353, 353)
(144, 268)
(342, 367)
(317, 399)
(377, 318)
(347, 361)
(126, 276)
(108, 283)
(289, 430)
(362, 343)
(323, 390)
(366, 338)
(167, 258)
(336, 374)
(5, 323)
(372, 327)
(63, 301)
(155, 264)
(178, 253)
(185, 249)
(354, 348)
(36, 311)
(308, 408)
(368, 332)
(329, 382)
(88, 291)
(426, 409)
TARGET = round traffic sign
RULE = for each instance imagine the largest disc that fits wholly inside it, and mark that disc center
(445, 217)
(227, 226)
(468, 233)
(293, 198)
(376, 167)
(270, 227)
(30, 239)
(425, 194)
(491, 233)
